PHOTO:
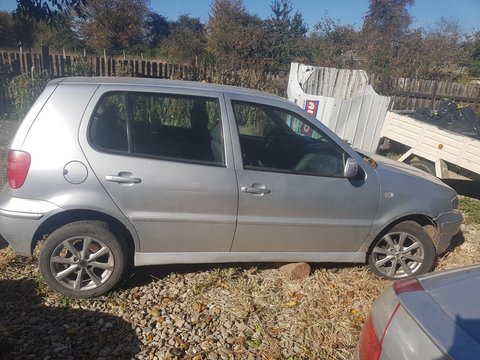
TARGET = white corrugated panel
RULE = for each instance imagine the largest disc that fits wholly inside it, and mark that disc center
(341, 99)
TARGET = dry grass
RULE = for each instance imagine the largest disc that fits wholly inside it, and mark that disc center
(319, 317)
(6, 258)
(470, 209)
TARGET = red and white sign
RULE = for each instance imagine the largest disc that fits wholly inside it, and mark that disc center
(311, 106)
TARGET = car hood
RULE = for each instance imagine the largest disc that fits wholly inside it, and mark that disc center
(386, 164)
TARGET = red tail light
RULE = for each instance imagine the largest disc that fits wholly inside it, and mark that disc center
(18, 164)
(407, 286)
(369, 345)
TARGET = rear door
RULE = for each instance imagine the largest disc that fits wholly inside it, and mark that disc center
(293, 196)
(161, 155)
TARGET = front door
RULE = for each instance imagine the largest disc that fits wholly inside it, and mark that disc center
(293, 196)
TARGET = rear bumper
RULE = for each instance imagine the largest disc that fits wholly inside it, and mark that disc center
(20, 219)
(448, 225)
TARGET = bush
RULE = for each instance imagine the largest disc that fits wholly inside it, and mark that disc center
(24, 90)
(122, 69)
(81, 67)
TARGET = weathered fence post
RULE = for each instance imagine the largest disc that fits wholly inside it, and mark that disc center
(434, 93)
(46, 59)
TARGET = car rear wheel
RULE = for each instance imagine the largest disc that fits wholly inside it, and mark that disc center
(82, 259)
(424, 165)
(402, 252)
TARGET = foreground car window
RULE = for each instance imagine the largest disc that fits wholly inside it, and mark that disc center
(277, 140)
(163, 126)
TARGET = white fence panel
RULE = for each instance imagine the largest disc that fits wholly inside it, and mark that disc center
(341, 99)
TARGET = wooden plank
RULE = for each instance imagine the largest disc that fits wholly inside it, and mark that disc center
(102, 67)
(46, 59)
(97, 66)
(68, 64)
(28, 61)
(56, 69)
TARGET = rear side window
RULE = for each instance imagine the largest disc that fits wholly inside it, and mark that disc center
(163, 126)
(108, 130)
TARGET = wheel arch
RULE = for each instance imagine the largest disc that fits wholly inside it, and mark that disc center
(65, 217)
(425, 221)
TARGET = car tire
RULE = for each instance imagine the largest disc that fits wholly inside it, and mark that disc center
(402, 252)
(82, 259)
(424, 166)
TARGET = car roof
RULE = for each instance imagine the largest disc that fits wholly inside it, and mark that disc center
(164, 82)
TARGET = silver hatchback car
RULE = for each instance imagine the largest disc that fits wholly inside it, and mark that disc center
(117, 171)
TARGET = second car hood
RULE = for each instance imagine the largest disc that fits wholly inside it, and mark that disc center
(446, 308)
(457, 293)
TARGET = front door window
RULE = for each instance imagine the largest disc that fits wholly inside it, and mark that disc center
(273, 139)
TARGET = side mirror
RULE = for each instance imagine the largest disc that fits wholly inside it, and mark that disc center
(351, 168)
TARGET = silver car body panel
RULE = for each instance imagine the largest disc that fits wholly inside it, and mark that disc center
(405, 340)
(238, 256)
(182, 209)
(20, 218)
(32, 114)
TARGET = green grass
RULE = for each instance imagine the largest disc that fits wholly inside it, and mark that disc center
(470, 209)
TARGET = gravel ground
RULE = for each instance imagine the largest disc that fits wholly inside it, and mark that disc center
(232, 311)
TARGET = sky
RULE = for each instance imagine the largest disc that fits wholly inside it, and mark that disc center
(425, 13)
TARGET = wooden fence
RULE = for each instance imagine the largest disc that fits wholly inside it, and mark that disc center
(411, 94)
(63, 64)
(407, 94)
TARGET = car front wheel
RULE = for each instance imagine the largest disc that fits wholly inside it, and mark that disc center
(402, 252)
(82, 259)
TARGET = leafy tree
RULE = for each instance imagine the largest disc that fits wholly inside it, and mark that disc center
(114, 25)
(58, 37)
(333, 45)
(7, 30)
(390, 17)
(157, 29)
(186, 42)
(46, 10)
(441, 51)
(472, 47)
(286, 33)
(384, 33)
(15, 32)
(235, 38)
